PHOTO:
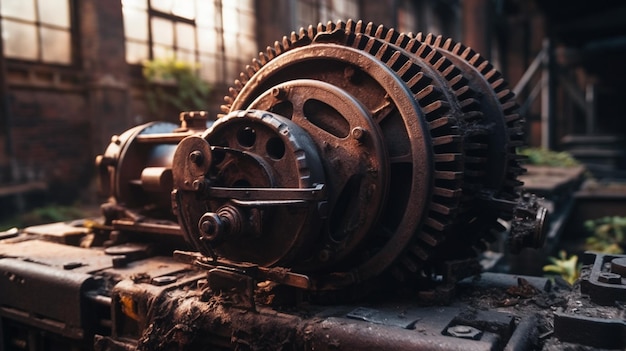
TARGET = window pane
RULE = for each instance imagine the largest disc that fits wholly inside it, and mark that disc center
(233, 68)
(185, 36)
(207, 40)
(163, 5)
(247, 48)
(245, 5)
(140, 4)
(54, 12)
(185, 8)
(136, 24)
(247, 23)
(20, 40)
(207, 14)
(187, 56)
(162, 52)
(162, 32)
(208, 69)
(231, 47)
(55, 45)
(230, 17)
(22, 9)
(136, 52)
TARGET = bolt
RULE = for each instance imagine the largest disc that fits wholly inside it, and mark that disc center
(196, 157)
(465, 332)
(610, 278)
(279, 93)
(461, 329)
(197, 185)
(212, 228)
(115, 139)
(207, 227)
(358, 133)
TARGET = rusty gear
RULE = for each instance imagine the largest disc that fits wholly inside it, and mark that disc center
(345, 151)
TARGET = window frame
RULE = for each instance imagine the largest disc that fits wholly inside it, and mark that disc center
(72, 30)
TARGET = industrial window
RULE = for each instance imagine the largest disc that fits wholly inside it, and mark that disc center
(37, 30)
(314, 11)
(218, 35)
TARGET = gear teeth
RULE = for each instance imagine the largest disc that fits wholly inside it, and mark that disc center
(403, 40)
(405, 67)
(429, 238)
(505, 95)
(446, 140)
(415, 81)
(419, 252)
(430, 39)
(278, 48)
(310, 32)
(474, 58)
(320, 28)
(483, 67)
(462, 91)
(509, 106)
(499, 83)
(233, 92)
(409, 264)
(435, 106)
(257, 65)
(271, 53)
(448, 175)
(512, 118)
(441, 122)
(263, 58)
(447, 193)
(369, 29)
(453, 157)
(238, 85)
(493, 75)
(442, 209)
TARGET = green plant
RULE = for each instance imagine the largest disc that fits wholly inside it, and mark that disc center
(545, 157)
(174, 84)
(566, 267)
(607, 235)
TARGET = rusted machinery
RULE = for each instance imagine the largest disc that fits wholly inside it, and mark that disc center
(345, 150)
(352, 163)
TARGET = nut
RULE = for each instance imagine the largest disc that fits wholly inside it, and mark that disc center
(609, 278)
(465, 332)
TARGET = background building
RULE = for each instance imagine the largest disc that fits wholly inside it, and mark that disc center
(71, 73)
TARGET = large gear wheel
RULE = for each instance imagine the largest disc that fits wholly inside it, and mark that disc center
(402, 137)
(325, 48)
(493, 129)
